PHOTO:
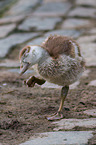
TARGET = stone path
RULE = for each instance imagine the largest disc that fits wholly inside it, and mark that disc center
(28, 22)
(61, 138)
(67, 124)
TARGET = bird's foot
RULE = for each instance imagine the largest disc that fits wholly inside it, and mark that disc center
(30, 82)
(56, 116)
(33, 80)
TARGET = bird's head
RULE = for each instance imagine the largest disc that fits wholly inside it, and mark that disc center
(29, 56)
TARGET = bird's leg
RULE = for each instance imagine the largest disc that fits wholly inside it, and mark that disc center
(33, 80)
(59, 114)
(64, 93)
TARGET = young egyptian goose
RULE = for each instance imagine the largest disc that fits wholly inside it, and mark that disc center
(59, 61)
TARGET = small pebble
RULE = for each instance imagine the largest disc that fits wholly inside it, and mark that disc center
(5, 84)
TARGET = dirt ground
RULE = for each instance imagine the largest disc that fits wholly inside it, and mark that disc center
(23, 110)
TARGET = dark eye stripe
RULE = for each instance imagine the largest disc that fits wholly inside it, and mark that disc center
(27, 48)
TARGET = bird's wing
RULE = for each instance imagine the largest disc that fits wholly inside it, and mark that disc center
(57, 45)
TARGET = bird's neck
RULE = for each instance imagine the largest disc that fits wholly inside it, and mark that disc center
(44, 55)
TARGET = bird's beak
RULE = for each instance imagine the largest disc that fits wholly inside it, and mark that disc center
(24, 68)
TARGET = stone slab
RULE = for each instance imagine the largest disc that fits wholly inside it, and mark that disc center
(92, 83)
(22, 7)
(38, 23)
(6, 29)
(86, 73)
(86, 50)
(11, 19)
(7, 43)
(46, 1)
(74, 85)
(60, 138)
(14, 70)
(88, 46)
(7, 63)
(76, 23)
(83, 12)
(71, 123)
(51, 85)
(87, 39)
(92, 31)
(5, 4)
(36, 41)
(86, 2)
(53, 9)
(70, 33)
(91, 112)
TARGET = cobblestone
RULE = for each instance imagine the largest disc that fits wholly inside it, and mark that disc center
(6, 44)
(36, 41)
(88, 46)
(71, 33)
(53, 9)
(5, 4)
(92, 83)
(7, 63)
(71, 123)
(60, 138)
(87, 49)
(11, 19)
(86, 2)
(86, 73)
(87, 39)
(39, 24)
(83, 12)
(76, 23)
(6, 29)
(17, 70)
(91, 112)
(92, 31)
(46, 1)
(22, 7)
(50, 85)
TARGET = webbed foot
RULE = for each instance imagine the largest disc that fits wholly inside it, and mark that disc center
(33, 80)
(30, 82)
(56, 116)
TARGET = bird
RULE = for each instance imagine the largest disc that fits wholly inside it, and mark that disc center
(58, 60)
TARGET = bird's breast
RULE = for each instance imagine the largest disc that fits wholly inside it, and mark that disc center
(64, 70)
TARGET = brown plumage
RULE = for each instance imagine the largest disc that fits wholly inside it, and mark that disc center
(56, 45)
(23, 51)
